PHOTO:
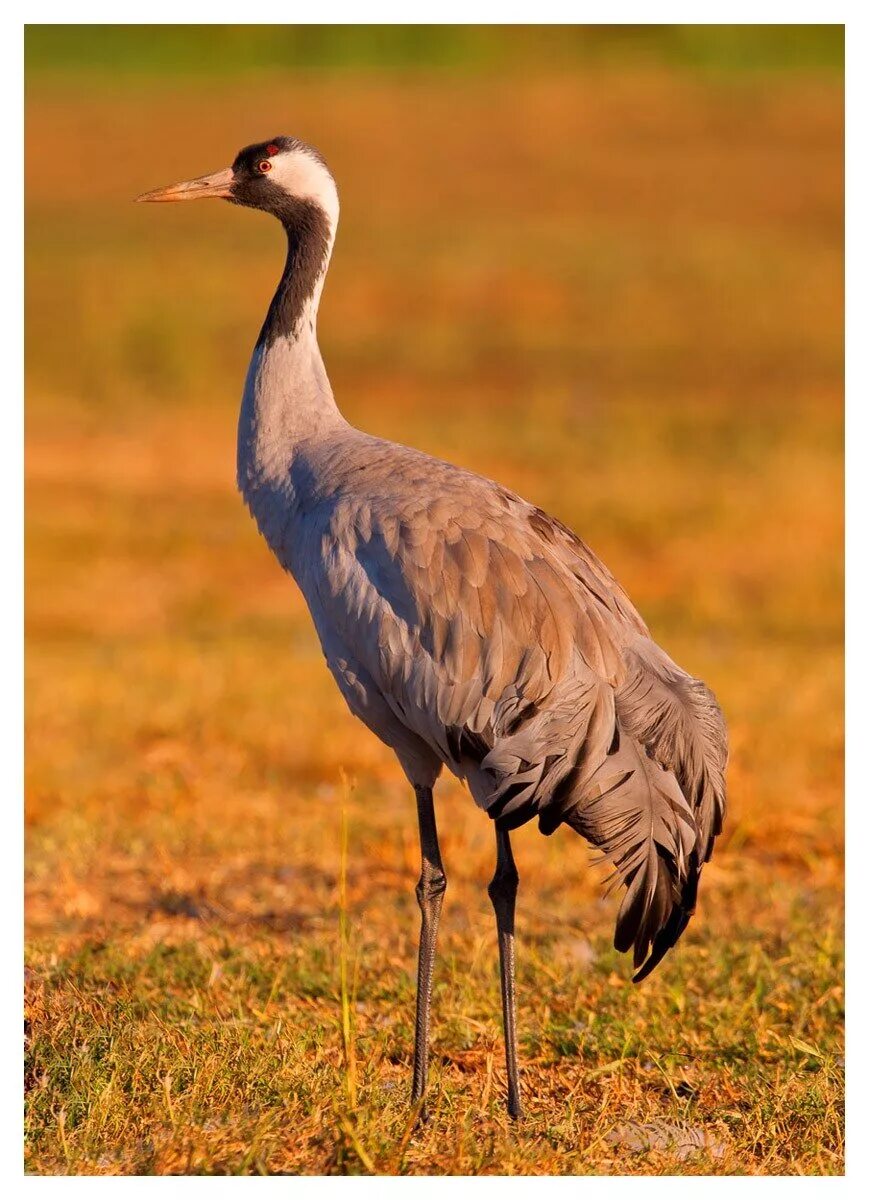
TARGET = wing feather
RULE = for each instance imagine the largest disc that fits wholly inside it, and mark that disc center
(503, 644)
(633, 810)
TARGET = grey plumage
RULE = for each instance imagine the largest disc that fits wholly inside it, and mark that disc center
(466, 627)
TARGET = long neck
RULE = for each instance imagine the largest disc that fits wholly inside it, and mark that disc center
(287, 395)
(310, 237)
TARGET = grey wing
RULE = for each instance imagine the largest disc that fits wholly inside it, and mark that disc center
(678, 720)
(657, 803)
(495, 636)
(466, 621)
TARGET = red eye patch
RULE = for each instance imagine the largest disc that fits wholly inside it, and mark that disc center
(271, 148)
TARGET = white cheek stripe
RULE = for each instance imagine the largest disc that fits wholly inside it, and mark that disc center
(302, 176)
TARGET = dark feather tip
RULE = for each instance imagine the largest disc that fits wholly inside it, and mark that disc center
(665, 941)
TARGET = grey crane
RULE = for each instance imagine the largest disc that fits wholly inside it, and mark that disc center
(466, 627)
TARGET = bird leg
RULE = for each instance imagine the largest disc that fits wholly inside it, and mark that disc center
(502, 893)
(430, 895)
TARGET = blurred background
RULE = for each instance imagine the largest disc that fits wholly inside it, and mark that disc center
(602, 265)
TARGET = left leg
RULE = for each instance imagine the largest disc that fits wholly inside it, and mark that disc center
(430, 895)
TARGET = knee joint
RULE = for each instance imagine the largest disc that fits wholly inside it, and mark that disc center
(504, 884)
(431, 886)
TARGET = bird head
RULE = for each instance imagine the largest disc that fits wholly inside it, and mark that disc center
(277, 176)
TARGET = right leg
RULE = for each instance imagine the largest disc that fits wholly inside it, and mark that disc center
(502, 893)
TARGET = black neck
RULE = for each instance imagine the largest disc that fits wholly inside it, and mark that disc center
(307, 230)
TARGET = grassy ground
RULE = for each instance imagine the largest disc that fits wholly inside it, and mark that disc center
(619, 293)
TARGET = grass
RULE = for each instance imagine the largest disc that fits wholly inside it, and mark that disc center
(636, 321)
(182, 51)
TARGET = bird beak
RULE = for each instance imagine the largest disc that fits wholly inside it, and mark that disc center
(218, 185)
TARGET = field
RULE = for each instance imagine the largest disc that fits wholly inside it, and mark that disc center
(615, 288)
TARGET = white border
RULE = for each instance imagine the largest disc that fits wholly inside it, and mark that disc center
(11, 480)
(391, 12)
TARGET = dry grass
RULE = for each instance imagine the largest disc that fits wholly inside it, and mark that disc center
(635, 320)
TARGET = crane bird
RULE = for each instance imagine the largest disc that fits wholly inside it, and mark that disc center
(465, 627)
